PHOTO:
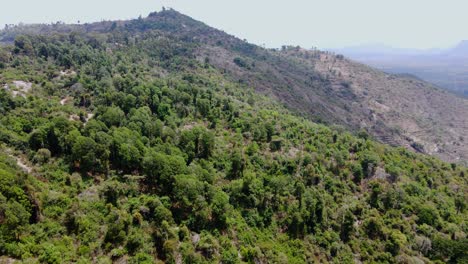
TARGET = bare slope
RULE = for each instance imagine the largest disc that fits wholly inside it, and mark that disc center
(423, 114)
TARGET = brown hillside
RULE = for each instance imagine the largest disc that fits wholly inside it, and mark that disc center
(397, 110)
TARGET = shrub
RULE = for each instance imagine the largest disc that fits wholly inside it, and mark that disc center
(42, 156)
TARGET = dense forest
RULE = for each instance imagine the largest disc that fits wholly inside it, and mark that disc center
(117, 144)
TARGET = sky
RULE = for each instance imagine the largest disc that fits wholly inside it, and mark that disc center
(420, 24)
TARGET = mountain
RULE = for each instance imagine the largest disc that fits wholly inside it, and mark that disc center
(394, 109)
(445, 68)
(379, 49)
(461, 50)
(163, 140)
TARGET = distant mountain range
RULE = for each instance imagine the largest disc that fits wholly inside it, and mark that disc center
(461, 49)
(447, 68)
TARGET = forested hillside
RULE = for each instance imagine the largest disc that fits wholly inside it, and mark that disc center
(321, 86)
(121, 142)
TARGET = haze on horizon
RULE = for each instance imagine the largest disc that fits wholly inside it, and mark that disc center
(416, 24)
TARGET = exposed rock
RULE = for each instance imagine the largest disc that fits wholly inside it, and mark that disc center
(7, 260)
(195, 238)
(74, 117)
(381, 174)
(88, 117)
(23, 86)
(90, 194)
(67, 73)
(65, 100)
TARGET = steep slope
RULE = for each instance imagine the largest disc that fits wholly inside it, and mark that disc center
(422, 115)
(394, 109)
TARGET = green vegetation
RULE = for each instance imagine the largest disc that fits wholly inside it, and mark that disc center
(181, 164)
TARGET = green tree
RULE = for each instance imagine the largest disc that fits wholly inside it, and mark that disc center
(237, 165)
(160, 169)
(23, 45)
(347, 226)
(14, 217)
(113, 116)
(90, 156)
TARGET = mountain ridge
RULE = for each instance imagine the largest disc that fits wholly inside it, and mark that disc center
(319, 94)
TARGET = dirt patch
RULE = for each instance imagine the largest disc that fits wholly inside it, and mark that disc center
(88, 117)
(23, 86)
(23, 165)
(380, 173)
(7, 260)
(195, 238)
(19, 88)
(192, 125)
(67, 73)
(65, 100)
(74, 117)
(293, 152)
(90, 194)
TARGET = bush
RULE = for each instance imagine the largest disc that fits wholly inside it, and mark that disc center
(42, 156)
(427, 215)
(241, 62)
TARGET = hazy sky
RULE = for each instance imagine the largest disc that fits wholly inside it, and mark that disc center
(308, 23)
